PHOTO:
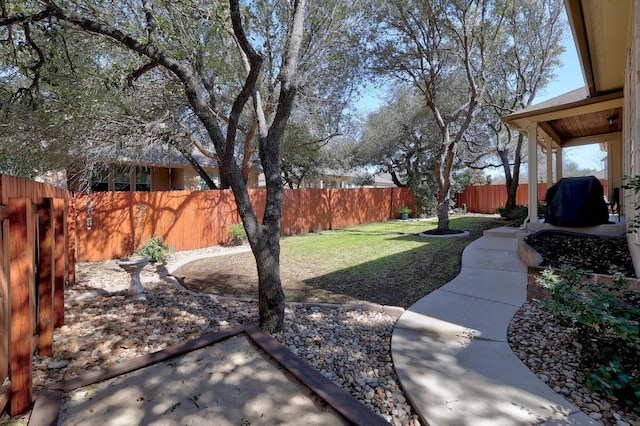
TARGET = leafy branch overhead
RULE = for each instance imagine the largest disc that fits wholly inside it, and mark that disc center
(223, 78)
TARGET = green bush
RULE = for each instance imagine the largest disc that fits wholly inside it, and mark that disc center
(237, 234)
(606, 319)
(518, 215)
(155, 248)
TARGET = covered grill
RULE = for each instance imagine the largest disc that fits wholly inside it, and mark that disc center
(576, 202)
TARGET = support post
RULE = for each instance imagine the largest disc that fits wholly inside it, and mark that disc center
(70, 240)
(549, 162)
(558, 163)
(46, 227)
(532, 134)
(21, 273)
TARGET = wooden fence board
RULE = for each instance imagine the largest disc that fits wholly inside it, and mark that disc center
(5, 303)
(21, 249)
(70, 242)
(46, 231)
(61, 263)
(24, 307)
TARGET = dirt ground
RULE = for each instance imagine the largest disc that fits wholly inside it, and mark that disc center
(236, 276)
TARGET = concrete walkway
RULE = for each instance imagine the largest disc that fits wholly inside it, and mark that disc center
(451, 353)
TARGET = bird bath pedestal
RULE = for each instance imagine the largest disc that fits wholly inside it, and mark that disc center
(133, 265)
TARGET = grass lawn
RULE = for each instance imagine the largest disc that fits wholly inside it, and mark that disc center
(384, 263)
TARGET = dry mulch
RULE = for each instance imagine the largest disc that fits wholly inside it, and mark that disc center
(600, 255)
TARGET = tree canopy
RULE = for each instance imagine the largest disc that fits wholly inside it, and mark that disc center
(192, 43)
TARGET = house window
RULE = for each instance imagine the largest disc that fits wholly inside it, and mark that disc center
(214, 178)
(122, 179)
(143, 179)
(100, 180)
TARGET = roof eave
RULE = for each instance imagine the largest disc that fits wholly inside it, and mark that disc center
(521, 120)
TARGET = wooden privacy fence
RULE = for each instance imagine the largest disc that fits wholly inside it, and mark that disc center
(35, 263)
(109, 225)
(487, 198)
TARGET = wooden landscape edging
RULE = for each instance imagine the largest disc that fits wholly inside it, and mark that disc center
(48, 401)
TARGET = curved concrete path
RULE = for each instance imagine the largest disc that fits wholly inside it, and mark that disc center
(450, 348)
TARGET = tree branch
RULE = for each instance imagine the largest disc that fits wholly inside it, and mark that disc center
(152, 24)
(135, 75)
(248, 89)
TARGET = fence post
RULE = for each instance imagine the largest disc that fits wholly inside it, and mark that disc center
(46, 227)
(70, 240)
(62, 264)
(5, 307)
(21, 276)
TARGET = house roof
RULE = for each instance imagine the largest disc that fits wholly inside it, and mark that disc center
(600, 31)
(573, 118)
(155, 156)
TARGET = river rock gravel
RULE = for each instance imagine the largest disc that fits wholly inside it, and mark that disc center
(550, 351)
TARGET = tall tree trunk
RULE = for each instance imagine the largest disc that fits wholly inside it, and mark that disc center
(443, 171)
(270, 293)
(512, 179)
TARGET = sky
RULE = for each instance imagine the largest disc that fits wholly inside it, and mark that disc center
(569, 77)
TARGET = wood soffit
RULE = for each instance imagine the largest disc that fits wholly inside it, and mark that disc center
(595, 123)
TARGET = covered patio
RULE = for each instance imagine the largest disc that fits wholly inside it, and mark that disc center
(596, 113)
(572, 119)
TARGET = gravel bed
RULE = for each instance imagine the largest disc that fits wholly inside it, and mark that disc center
(104, 326)
(550, 351)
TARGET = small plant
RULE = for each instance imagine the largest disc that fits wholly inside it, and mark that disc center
(502, 211)
(404, 212)
(237, 235)
(605, 318)
(155, 248)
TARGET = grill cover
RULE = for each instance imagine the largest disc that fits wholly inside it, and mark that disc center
(576, 202)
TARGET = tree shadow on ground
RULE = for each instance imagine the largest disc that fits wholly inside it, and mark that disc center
(398, 280)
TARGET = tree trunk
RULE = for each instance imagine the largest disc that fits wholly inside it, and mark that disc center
(443, 172)
(512, 179)
(443, 213)
(270, 293)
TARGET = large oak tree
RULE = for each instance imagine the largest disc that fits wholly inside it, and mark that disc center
(445, 49)
(150, 35)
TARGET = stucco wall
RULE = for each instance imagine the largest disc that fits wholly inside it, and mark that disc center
(631, 131)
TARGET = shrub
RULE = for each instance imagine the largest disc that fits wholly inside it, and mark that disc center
(155, 248)
(606, 319)
(237, 235)
(518, 215)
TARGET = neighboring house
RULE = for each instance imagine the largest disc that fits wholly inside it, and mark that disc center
(605, 111)
(341, 179)
(155, 170)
